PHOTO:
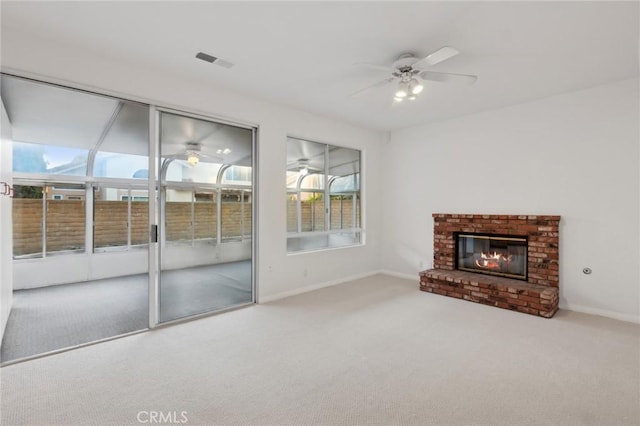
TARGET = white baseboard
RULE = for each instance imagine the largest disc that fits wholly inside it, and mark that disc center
(602, 312)
(415, 277)
(570, 307)
(312, 287)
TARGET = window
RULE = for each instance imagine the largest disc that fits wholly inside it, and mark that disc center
(134, 198)
(237, 175)
(193, 216)
(86, 141)
(121, 217)
(235, 214)
(27, 221)
(179, 216)
(206, 180)
(123, 150)
(323, 196)
(205, 214)
(65, 219)
(120, 166)
(48, 219)
(49, 159)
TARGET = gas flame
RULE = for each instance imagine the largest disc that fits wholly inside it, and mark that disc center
(492, 260)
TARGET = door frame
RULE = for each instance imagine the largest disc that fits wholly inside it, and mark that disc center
(155, 214)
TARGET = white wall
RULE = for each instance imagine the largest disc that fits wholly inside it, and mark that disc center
(177, 256)
(6, 224)
(77, 267)
(277, 273)
(575, 155)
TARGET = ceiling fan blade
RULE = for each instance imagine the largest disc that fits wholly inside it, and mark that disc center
(374, 66)
(376, 85)
(215, 159)
(446, 77)
(436, 57)
(174, 156)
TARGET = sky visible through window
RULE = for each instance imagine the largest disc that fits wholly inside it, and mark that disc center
(37, 158)
(50, 159)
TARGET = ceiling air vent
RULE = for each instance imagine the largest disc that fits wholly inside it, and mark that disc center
(212, 59)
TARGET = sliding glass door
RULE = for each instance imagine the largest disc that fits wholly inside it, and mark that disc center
(123, 216)
(79, 217)
(205, 174)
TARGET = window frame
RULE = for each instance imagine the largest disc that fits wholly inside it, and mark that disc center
(137, 186)
(51, 182)
(217, 189)
(356, 231)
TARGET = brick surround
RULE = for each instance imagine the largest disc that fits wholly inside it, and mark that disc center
(537, 296)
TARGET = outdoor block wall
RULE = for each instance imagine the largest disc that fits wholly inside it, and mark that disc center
(65, 223)
(313, 215)
(110, 223)
(234, 222)
(27, 226)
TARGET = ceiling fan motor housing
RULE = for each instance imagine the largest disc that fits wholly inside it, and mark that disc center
(404, 67)
(405, 62)
(193, 146)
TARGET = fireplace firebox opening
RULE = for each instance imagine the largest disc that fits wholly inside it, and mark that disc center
(501, 255)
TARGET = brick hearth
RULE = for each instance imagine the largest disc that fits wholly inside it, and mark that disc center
(538, 295)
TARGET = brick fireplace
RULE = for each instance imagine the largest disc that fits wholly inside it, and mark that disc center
(536, 290)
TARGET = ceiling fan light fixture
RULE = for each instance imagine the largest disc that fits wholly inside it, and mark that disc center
(403, 90)
(193, 159)
(415, 86)
(397, 99)
(412, 98)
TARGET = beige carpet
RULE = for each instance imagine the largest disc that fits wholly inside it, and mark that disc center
(375, 351)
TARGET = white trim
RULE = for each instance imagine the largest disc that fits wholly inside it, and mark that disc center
(312, 287)
(153, 191)
(301, 252)
(602, 312)
(304, 234)
(402, 275)
(255, 206)
(203, 117)
(569, 307)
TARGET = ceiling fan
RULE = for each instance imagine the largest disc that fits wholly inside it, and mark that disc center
(410, 71)
(304, 166)
(192, 154)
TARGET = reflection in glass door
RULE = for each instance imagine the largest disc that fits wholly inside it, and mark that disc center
(205, 173)
(80, 236)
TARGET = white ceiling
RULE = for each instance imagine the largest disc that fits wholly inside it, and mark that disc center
(301, 54)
